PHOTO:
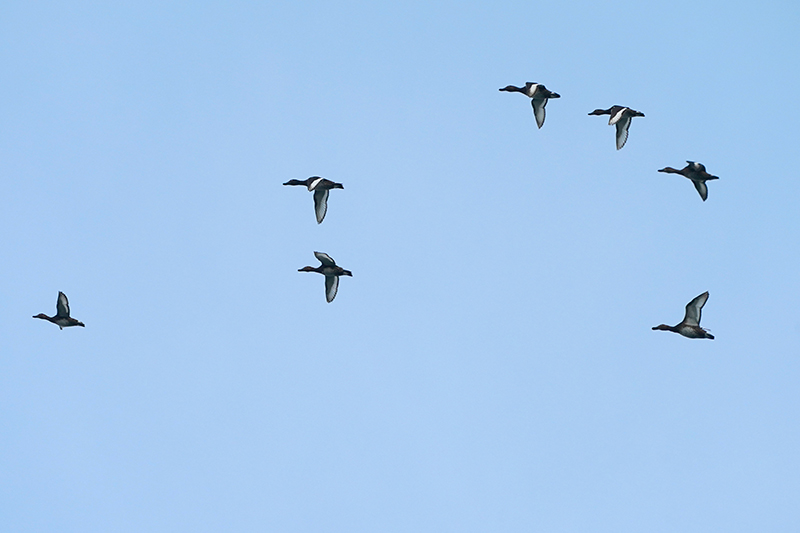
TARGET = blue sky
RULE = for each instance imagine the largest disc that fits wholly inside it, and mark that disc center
(490, 365)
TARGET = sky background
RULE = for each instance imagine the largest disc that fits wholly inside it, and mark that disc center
(490, 365)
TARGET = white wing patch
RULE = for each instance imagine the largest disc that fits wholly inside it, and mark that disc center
(613, 119)
(313, 184)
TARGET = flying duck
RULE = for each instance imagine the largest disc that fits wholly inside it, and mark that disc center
(695, 172)
(690, 325)
(538, 94)
(621, 116)
(321, 188)
(331, 272)
(61, 318)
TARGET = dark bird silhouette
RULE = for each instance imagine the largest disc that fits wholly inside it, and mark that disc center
(539, 96)
(61, 318)
(331, 271)
(690, 325)
(621, 117)
(321, 188)
(695, 172)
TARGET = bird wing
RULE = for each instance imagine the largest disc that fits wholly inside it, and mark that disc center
(538, 110)
(331, 287)
(622, 131)
(702, 188)
(694, 309)
(62, 305)
(325, 259)
(321, 204)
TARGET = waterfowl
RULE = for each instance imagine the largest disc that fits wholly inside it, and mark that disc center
(61, 318)
(695, 172)
(621, 116)
(538, 94)
(331, 271)
(321, 187)
(690, 326)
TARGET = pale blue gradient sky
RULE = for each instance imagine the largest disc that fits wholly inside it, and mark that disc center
(490, 366)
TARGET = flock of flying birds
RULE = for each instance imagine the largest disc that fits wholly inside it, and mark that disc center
(328, 267)
(619, 116)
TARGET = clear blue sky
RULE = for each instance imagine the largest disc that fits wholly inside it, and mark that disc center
(490, 365)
